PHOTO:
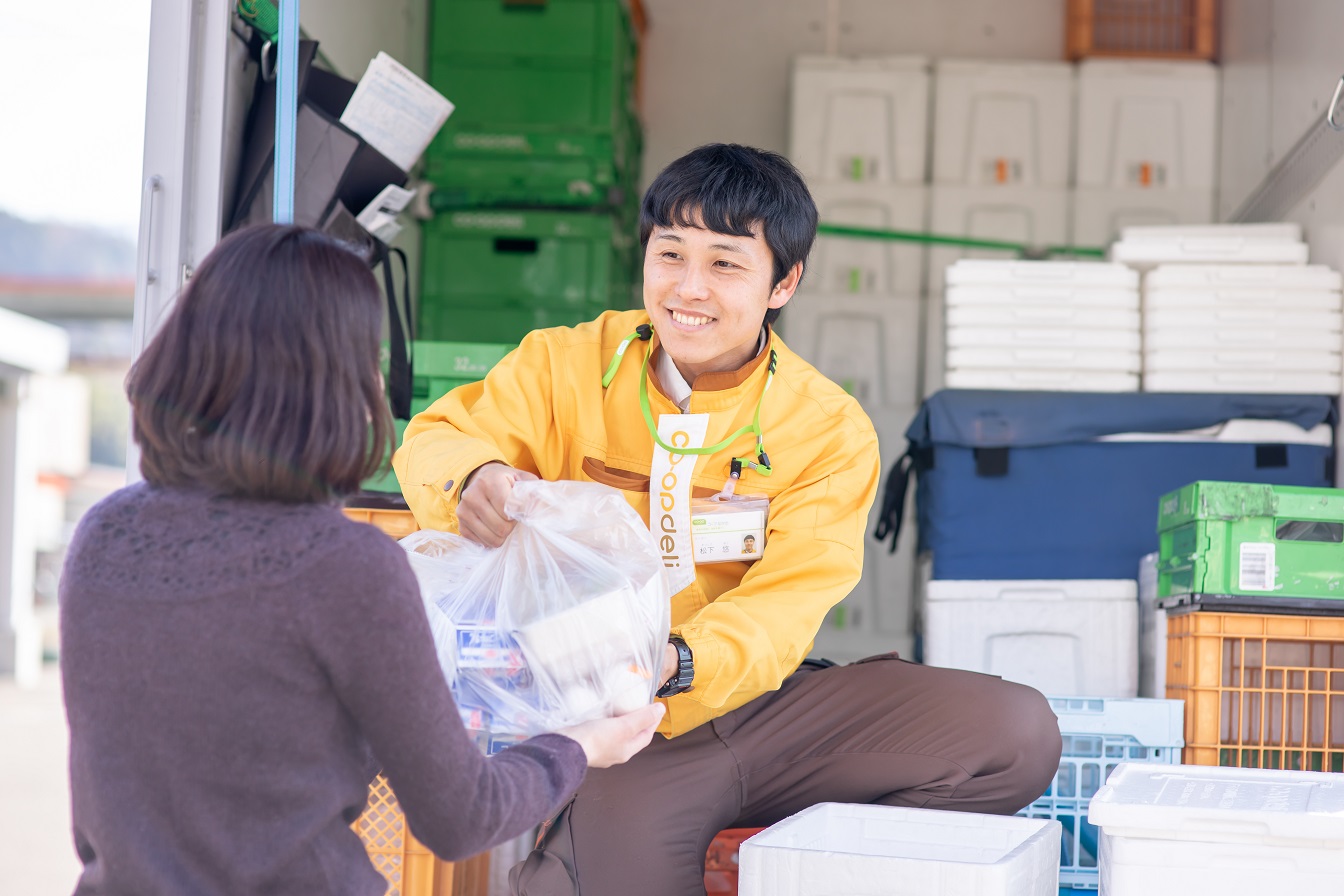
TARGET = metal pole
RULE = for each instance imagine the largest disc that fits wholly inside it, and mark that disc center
(286, 110)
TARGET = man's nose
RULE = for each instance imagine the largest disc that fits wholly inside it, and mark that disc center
(694, 283)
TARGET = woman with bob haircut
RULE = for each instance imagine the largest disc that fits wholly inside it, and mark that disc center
(238, 658)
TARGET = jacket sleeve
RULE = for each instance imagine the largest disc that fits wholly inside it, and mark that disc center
(755, 634)
(509, 417)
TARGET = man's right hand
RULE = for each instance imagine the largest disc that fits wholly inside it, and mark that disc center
(480, 510)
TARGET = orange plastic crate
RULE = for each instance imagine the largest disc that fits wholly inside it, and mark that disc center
(1260, 690)
(721, 861)
(1166, 29)
(396, 523)
(410, 868)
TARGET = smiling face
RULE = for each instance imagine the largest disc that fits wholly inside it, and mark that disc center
(707, 294)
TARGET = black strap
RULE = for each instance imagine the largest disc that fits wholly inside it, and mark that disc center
(400, 361)
(893, 500)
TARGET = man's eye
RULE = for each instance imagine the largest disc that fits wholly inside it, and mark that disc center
(725, 264)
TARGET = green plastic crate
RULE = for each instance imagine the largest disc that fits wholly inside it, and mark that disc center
(501, 325)
(1263, 546)
(574, 31)
(520, 260)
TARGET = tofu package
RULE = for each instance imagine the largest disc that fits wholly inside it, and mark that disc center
(563, 623)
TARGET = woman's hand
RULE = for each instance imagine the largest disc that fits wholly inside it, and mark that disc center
(608, 742)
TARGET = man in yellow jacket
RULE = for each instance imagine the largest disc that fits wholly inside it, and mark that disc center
(670, 405)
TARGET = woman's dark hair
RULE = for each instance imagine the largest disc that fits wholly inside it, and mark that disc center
(263, 381)
(735, 189)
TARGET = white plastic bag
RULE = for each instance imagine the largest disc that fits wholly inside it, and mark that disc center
(563, 623)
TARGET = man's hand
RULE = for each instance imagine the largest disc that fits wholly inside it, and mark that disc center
(670, 663)
(480, 512)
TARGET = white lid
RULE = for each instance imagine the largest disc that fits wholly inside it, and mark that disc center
(1129, 69)
(1043, 337)
(1041, 294)
(1237, 317)
(1284, 231)
(1221, 804)
(1242, 358)
(1055, 590)
(1041, 315)
(1281, 299)
(817, 62)
(1153, 722)
(1219, 276)
(1041, 380)
(1249, 381)
(1047, 358)
(1281, 339)
(983, 271)
(1004, 68)
(1228, 250)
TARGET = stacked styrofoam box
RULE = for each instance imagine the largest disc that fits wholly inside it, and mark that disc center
(863, 850)
(1146, 148)
(859, 135)
(1001, 167)
(1042, 325)
(1195, 829)
(1236, 309)
(1098, 734)
(1058, 636)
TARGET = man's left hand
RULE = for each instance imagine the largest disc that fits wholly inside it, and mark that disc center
(670, 662)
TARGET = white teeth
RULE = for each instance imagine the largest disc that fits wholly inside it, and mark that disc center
(690, 320)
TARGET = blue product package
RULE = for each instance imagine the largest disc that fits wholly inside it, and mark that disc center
(1024, 485)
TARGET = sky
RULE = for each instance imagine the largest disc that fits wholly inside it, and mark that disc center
(72, 111)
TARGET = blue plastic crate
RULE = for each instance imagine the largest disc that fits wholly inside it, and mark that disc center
(1100, 733)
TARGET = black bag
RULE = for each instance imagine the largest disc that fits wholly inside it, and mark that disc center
(336, 174)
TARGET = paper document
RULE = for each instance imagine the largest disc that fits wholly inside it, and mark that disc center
(395, 111)
(379, 217)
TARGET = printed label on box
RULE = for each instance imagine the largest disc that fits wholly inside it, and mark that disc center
(1257, 566)
(486, 647)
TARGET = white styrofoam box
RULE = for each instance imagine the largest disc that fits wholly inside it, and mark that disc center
(860, 119)
(895, 851)
(878, 615)
(1259, 277)
(1249, 381)
(852, 265)
(1159, 319)
(1152, 631)
(1002, 123)
(1060, 637)
(1045, 358)
(1242, 359)
(1040, 315)
(1099, 215)
(1041, 337)
(1199, 829)
(1286, 230)
(1067, 278)
(868, 344)
(1281, 299)
(1326, 340)
(1145, 124)
(1218, 249)
(1041, 380)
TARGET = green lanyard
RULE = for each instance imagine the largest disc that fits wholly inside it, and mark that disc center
(762, 462)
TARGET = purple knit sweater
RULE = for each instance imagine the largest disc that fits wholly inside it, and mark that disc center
(234, 672)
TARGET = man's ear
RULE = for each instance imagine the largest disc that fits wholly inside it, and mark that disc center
(785, 288)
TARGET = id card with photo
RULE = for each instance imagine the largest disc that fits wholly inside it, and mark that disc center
(730, 529)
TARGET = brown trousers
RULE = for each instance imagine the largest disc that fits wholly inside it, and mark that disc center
(881, 730)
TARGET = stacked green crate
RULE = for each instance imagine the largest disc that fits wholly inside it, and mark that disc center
(545, 108)
(535, 173)
(495, 274)
(439, 368)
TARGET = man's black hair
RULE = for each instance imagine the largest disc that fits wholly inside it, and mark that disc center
(736, 190)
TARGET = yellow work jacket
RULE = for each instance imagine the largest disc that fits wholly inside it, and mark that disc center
(543, 409)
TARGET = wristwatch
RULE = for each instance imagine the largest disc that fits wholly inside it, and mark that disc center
(679, 683)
